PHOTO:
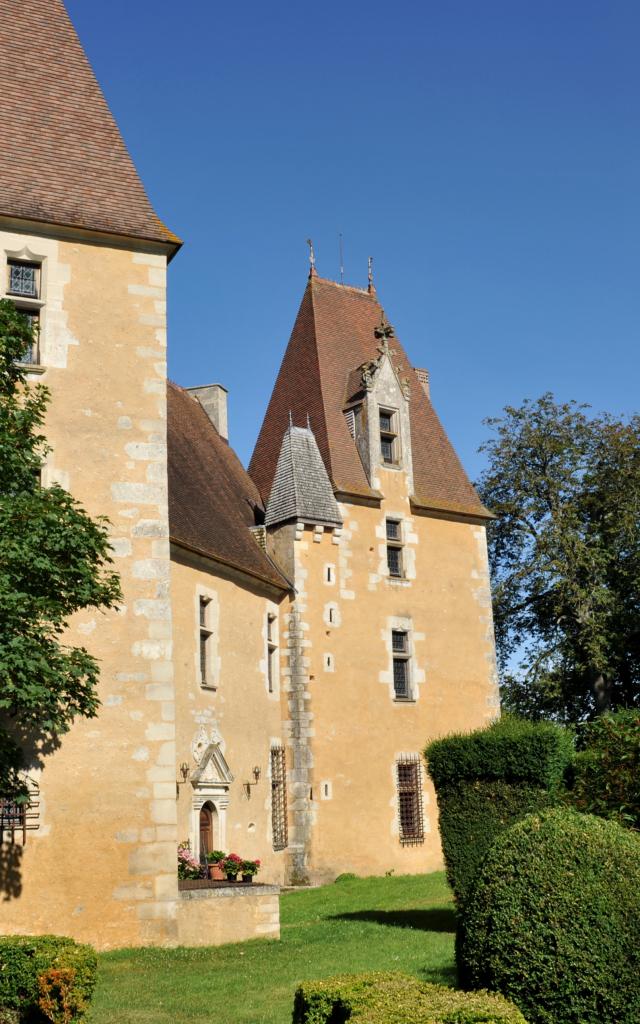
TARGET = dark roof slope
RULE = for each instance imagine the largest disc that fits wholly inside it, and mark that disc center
(332, 336)
(62, 159)
(211, 497)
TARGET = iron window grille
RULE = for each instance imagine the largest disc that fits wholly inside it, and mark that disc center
(205, 637)
(410, 815)
(388, 437)
(279, 798)
(394, 547)
(401, 656)
(272, 653)
(18, 819)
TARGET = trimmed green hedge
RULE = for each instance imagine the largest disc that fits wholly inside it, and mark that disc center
(553, 922)
(393, 998)
(606, 774)
(46, 977)
(489, 779)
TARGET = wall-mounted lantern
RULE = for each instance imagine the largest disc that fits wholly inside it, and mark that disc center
(257, 772)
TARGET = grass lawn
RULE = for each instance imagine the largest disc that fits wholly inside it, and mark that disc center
(403, 923)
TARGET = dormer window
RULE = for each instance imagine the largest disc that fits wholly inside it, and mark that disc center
(389, 446)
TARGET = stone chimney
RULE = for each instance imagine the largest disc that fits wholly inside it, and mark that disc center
(423, 377)
(213, 399)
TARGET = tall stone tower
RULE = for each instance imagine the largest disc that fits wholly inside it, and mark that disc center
(389, 635)
(84, 254)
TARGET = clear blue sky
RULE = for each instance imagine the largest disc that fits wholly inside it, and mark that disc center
(485, 152)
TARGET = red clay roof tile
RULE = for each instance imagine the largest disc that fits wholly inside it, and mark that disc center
(62, 159)
(212, 500)
(332, 336)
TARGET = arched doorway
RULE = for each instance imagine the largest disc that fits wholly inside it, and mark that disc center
(208, 829)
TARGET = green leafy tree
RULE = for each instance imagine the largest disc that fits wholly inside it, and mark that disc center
(565, 558)
(54, 561)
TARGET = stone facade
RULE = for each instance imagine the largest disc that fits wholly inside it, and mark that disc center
(267, 672)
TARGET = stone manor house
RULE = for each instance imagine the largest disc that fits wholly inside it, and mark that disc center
(291, 635)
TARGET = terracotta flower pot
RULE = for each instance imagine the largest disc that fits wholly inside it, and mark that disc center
(216, 874)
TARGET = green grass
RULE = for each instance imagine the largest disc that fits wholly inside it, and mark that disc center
(403, 923)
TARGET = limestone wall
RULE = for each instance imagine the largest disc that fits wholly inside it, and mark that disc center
(101, 867)
(345, 730)
(237, 714)
(211, 917)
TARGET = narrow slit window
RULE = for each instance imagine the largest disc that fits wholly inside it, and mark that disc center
(279, 827)
(272, 654)
(394, 548)
(410, 814)
(205, 634)
(32, 355)
(401, 664)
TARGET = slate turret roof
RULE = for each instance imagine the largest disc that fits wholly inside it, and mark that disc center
(213, 503)
(334, 335)
(301, 488)
(63, 160)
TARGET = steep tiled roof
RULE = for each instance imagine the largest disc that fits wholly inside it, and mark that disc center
(332, 336)
(62, 159)
(301, 488)
(211, 498)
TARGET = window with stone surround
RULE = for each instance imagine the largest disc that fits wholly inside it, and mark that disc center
(401, 664)
(272, 653)
(24, 288)
(410, 815)
(205, 634)
(389, 441)
(394, 547)
(279, 826)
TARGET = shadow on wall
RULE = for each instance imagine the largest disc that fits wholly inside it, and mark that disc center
(422, 920)
(10, 871)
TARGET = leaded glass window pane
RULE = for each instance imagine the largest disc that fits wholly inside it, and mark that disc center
(399, 641)
(393, 529)
(401, 677)
(386, 446)
(385, 422)
(394, 561)
(23, 279)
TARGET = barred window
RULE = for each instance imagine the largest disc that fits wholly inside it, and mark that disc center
(18, 819)
(279, 798)
(409, 780)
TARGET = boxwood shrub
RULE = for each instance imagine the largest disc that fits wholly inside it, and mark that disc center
(46, 977)
(606, 773)
(553, 921)
(394, 998)
(489, 779)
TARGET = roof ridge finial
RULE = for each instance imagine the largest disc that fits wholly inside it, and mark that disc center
(290, 420)
(312, 259)
(308, 422)
(371, 288)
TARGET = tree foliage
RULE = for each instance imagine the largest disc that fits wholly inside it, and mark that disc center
(565, 558)
(54, 561)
